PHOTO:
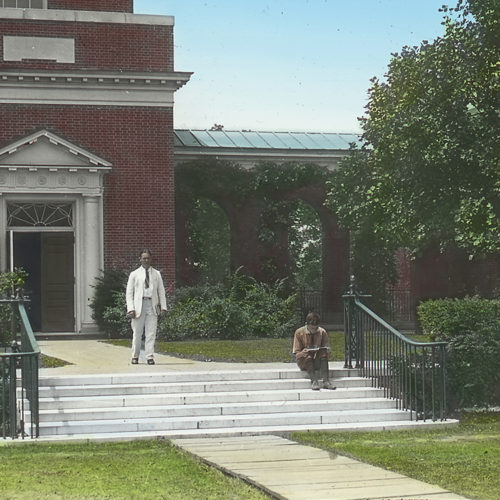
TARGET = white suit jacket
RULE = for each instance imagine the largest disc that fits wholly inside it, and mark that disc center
(135, 290)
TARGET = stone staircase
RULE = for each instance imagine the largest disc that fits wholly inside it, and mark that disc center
(178, 404)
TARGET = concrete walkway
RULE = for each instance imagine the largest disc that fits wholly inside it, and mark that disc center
(94, 356)
(283, 468)
(290, 470)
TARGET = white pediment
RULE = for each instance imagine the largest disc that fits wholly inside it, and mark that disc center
(45, 149)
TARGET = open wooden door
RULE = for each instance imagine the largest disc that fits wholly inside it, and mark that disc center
(57, 283)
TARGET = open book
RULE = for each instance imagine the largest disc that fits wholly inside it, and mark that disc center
(314, 349)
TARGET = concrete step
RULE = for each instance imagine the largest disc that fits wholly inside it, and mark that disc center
(214, 409)
(230, 402)
(142, 400)
(184, 376)
(178, 424)
(247, 431)
(183, 387)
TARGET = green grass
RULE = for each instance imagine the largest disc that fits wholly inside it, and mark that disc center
(50, 362)
(244, 351)
(137, 469)
(240, 351)
(464, 459)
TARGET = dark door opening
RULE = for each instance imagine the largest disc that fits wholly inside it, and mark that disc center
(48, 259)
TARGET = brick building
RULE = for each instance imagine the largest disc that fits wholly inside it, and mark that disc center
(87, 151)
(86, 147)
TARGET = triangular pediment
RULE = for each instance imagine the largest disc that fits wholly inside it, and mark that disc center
(46, 149)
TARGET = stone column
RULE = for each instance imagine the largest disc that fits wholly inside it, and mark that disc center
(91, 248)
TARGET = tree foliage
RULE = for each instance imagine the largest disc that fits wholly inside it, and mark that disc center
(305, 244)
(429, 169)
(209, 233)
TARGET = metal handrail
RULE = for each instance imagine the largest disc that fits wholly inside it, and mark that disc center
(410, 372)
(17, 391)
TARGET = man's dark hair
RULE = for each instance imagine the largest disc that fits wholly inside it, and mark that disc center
(312, 318)
(146, 250)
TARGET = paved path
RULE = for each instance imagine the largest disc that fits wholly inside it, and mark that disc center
(283, 468)
(290, 470)
(94, 356)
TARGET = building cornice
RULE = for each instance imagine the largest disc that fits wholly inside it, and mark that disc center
(90, 88)
(84, 16)
(250, 157)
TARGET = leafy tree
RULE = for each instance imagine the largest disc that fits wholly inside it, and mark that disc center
(305, 235)
(429, 169)
(210, 237)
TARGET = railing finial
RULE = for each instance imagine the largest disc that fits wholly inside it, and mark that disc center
(352, 285)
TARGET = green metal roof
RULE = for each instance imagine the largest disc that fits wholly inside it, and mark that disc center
(264, 140)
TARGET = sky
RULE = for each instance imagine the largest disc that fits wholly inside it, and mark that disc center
(287, 65)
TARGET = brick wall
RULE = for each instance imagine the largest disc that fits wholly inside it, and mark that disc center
(139, 191)
(102, 5)
(98, 46)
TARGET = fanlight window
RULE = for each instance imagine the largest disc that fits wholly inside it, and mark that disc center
(40, 215)
(24, 4)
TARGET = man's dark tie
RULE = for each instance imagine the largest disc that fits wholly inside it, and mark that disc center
(146, 285)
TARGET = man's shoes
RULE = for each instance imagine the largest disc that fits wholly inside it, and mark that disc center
(135, 361)
(315, 385)
(151, 361)
(328, 385)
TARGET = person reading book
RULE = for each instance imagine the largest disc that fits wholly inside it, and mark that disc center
(311, 348)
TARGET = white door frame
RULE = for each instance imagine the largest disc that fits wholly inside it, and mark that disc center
(45, 168)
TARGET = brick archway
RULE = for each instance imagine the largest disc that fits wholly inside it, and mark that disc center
(248, 252)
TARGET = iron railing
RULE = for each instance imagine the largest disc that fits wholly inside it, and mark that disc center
(309, 300)
(412, 373)
(19, 379)
(400, 304)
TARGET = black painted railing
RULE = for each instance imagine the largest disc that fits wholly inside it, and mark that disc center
(309, 300)
(19, 378)
(412, 373)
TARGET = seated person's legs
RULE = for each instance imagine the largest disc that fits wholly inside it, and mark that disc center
(311, 366)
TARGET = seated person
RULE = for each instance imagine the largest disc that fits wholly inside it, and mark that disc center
(310, 346)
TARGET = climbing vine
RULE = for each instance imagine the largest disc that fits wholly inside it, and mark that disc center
(268, 185)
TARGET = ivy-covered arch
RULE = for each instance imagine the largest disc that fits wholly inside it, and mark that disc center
(258, 204)
(228, 185)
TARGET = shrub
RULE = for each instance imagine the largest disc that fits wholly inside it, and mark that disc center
(10, 284)
(114, 320)
(472, 328)
(108, 286)
(241, 308)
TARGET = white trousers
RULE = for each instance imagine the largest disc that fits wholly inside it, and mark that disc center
(145, 323)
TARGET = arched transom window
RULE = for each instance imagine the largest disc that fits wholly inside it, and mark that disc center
(40, 215)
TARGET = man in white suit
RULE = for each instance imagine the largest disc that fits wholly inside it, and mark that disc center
(145, 301)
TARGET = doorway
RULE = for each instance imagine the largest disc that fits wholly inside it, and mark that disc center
(48, 257)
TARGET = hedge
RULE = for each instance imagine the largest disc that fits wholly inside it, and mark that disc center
(471, 326)
(237, 309)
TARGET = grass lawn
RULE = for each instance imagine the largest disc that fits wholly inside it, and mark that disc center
(50, 362)
(244, 351)
(240, 351)
(463, 459)
(137, 469)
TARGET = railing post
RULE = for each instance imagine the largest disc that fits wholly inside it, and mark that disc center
(444, 408)
(25, 356)
(414, 372)
(353, 328)
(349, 329)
